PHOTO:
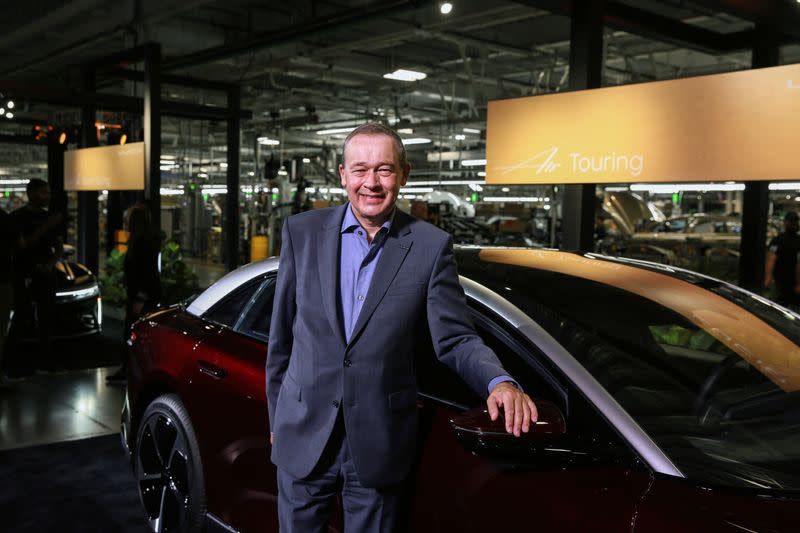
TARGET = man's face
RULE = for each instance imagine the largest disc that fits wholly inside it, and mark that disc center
(41, 197)
(372, 176)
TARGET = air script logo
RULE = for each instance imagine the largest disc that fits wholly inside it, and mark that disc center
(545, 163)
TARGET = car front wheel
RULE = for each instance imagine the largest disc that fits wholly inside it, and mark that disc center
(168, 469)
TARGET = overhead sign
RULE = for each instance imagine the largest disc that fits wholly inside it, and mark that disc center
(113, 168)
(736, 126)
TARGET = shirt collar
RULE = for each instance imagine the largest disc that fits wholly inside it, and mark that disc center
(349, 222)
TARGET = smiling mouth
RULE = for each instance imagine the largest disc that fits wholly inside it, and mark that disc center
(371, 196)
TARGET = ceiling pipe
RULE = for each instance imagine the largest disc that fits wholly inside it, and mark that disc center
(336, 21)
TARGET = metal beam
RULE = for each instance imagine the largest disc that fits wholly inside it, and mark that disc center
(170, 79)
(88, 206)
(755, 205)
(585, 72)
(231, 234)
(152, 132)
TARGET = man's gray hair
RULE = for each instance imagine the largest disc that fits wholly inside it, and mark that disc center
(374, 128)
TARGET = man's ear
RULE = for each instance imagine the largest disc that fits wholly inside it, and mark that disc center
(342, 178)
(406, 174)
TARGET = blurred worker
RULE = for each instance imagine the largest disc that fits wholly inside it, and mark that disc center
(11, 241)
(142, 274)
(782, 264)
(41, 247)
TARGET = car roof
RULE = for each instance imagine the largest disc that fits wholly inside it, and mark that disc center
(229, 283)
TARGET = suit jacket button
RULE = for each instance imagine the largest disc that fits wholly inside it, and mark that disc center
(347, 362)
(336, 403)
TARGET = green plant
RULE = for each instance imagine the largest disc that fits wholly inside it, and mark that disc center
(178, 281)
(113, 290)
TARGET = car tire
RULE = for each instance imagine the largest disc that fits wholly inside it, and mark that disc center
(168, 468)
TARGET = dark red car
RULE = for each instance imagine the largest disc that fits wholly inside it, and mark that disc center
(668, 402)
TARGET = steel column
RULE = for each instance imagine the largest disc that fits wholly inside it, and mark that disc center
(755, 205)
(231, 224)
(88, 206)
(585, 72)
(152, 131)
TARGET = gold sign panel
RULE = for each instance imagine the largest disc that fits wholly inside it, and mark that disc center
(113, 168)
(736, 126)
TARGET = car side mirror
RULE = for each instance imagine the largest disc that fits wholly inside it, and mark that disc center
(476, 431)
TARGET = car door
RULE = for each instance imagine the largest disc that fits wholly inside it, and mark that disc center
(589, 481)
(239, 476)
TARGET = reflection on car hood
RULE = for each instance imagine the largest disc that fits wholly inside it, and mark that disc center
(751, 338)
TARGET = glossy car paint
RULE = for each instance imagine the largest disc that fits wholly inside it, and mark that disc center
(599, 477)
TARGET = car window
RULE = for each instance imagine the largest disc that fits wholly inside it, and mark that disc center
(227, 310)
(255, 323)
(439, 381)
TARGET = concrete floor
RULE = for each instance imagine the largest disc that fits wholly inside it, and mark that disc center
(50, 408)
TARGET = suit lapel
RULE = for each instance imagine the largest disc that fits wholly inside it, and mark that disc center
(328, 250)
(394, 252)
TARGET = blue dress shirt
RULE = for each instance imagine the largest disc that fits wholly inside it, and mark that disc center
(357, 261)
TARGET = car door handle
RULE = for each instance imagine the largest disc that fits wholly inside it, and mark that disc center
(212, 370)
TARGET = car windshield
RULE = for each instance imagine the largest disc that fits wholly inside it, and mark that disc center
(709, 371)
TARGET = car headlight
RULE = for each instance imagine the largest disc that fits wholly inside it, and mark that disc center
(78, 294)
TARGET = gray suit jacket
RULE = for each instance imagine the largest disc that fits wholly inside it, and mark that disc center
(312, 373)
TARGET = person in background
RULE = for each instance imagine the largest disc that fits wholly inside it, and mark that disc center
(782, 261)
(41, 246)
(11, 242)
(142, 275)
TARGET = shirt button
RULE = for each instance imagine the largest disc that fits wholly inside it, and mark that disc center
(360, 232)
(361, 297)
(347, 362)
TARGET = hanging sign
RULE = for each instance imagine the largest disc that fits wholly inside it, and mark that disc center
(735, 126)
(114, 168)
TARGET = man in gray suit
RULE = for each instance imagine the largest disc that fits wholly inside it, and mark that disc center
(361, 289)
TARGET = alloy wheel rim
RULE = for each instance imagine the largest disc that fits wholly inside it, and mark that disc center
(162, 474)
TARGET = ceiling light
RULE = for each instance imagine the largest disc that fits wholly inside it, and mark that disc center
(473, 163)
(306, 160)
(785, 186)
(416, 140)
(482, 173)
(459, 136)
(680, 187)
(447, 182)
(223, 165)
(446, 7)
(267, 141)
(10, 104)
(405, 131)
(470, 130)
(2, 110)
(123, 138)
(335, 131)
(9, 115)
(512, 199)
(62, 137)
(405, 75)
(251, 173)
(416, 190)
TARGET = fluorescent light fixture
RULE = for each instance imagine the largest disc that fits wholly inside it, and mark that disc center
(473, 163)
(446, 182)
(311, 189)
(165, 156)
(14, 182)
(470, 130)
(251, 173)
(334, 131)
(482, 173)
(332, 190)
(405, 75)
(282, 173)
(408, 196)
(267, 141)
(405, 131)
(505, 189)
(416, 140)
(202, 175)
(306, 160)
(416, 190)
(223, 166)
(475, 187)
(785, 186)
(459, 136)
(686, 187)
(446, 7)
(616, 189)
(166, 167)
(169, 191)
(512, 199)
